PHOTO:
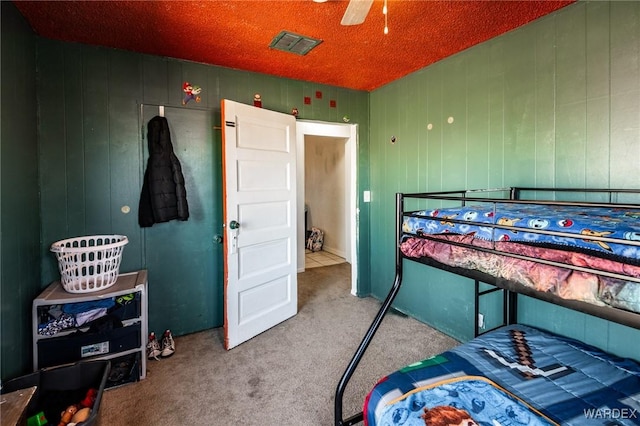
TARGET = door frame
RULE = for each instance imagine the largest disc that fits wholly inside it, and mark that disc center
(349, 132)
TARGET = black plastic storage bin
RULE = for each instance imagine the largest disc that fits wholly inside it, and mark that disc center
(124, 369)
(127, 306)
(60, 387)
(78, 345)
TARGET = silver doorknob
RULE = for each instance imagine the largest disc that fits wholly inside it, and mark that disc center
(234, 225)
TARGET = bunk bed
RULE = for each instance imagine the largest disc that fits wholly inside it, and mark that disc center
(539, 242)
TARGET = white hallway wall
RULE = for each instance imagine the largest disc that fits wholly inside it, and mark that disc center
(325, 190)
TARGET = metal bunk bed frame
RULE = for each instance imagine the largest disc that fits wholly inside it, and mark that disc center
(510, 289)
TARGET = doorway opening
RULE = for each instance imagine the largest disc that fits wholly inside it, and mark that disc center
(327, 194)
(325, 186)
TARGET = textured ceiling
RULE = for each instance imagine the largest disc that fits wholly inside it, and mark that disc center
(237, 34)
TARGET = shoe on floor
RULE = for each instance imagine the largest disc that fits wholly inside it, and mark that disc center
(168, 345)
(153, 347)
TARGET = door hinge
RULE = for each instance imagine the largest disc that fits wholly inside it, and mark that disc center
(230, 123)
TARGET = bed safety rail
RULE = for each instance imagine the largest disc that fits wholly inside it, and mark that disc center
(386, 305)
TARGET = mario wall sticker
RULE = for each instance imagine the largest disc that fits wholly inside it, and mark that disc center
(190, 92)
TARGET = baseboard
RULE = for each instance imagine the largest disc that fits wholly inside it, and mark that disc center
(334, 251)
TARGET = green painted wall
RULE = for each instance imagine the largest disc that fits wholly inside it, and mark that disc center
(19, 219)
(76, 138)
(93, 156)
(554, 103)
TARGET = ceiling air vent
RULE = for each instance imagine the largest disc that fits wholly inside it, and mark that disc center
(294, 43)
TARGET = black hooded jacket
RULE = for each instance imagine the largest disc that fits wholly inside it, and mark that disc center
(164, 196)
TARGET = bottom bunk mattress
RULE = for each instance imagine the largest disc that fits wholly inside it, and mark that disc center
(515, 375)
(565, 283)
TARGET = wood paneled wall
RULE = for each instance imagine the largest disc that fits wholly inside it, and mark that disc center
(19, 210)
(554, 103)
(74, 152)
(92, 141)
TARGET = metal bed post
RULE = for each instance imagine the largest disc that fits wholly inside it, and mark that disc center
(512, 307)
(386, 305)
(509, 306)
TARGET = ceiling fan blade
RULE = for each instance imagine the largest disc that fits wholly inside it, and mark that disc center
(356, 12)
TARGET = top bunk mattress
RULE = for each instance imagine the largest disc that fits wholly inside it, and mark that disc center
(600, 231)
(585, 253)
(515, 375)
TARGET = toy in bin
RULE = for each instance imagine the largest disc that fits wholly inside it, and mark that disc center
(37, 420)
(77, 413)
(72, 415)
(66, 395)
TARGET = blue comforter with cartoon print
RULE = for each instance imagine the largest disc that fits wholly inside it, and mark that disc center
(613, 232)
(515, 375)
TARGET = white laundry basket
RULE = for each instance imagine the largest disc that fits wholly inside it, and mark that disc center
(90, 263)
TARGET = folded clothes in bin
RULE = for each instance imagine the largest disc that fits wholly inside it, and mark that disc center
(59, 388)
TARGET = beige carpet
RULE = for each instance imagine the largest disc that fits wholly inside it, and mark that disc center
(285, 376)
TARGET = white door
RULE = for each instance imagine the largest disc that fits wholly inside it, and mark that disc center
(259, 172)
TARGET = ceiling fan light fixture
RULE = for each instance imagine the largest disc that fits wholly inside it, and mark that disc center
(385, 12)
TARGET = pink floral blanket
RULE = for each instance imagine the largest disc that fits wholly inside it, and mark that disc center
(563, 282)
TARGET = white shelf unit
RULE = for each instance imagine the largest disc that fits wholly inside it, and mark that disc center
(127, 283)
